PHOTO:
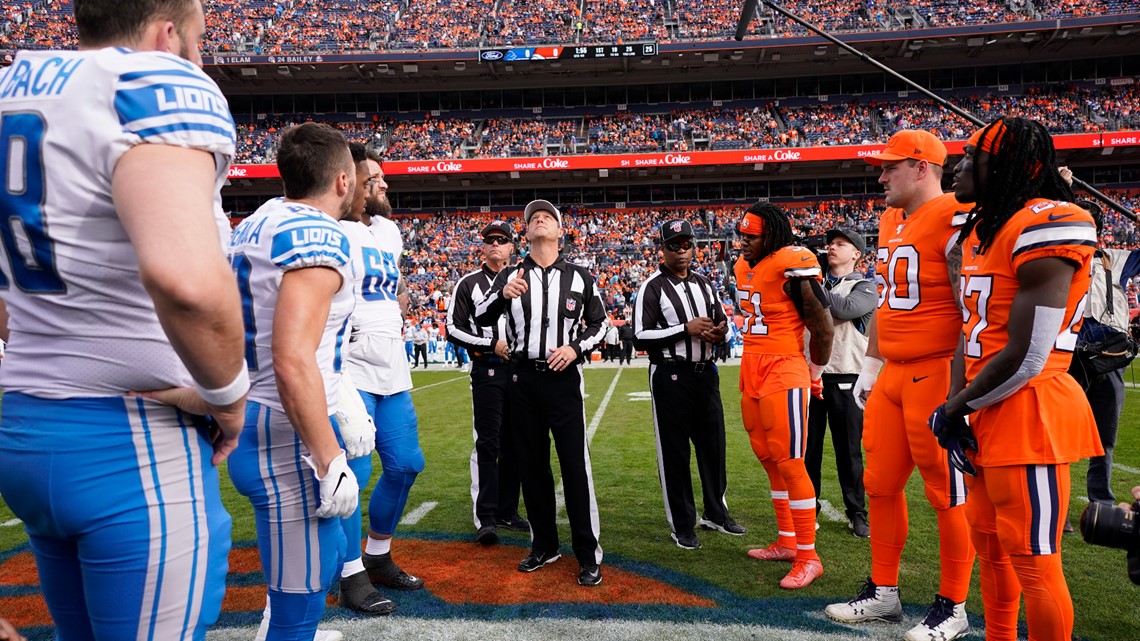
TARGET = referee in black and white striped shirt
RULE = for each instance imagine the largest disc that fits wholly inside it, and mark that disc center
(554, 316)
(677, 319)
(494, 468)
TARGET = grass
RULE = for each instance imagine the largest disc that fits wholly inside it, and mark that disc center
(633, 523)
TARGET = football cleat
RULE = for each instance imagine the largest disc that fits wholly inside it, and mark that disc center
(728, 527)
(774, 552)
(802, 574)
(874, 603)
(383, 570)
(945, 620)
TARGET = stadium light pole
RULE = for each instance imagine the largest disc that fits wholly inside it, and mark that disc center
(749, 10)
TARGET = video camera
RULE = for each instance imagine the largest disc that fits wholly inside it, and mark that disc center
(1109, 526)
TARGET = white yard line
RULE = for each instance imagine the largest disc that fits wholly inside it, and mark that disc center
(1125, 468)
(416, 515)
(559, 491)
(11, 523)
(830, 513)
(450, 380)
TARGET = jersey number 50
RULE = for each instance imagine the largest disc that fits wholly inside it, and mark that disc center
(23, 228)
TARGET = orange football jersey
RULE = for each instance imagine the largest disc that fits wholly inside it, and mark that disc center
(773, 330)
(771, 323)
(917, 315)
(1053, 422)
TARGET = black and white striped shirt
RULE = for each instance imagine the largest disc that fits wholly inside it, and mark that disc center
(561, 306)
(462, 330)
(664, 304)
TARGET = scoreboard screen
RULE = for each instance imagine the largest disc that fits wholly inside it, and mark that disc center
(573, 52)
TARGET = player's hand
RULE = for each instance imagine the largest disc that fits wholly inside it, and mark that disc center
(1066, 175)
(339, 491)
(230, 419)
(356, 427)
(867, 377)
(954, 436)
(502, 350)
(561, 358)
(699, 325)
(517, 285)
(817, 388)
(8, 632)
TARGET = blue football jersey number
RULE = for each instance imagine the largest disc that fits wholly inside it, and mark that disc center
(242, 268)
(22, 201)
(381, 275)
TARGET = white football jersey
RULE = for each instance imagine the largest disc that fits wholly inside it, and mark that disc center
(279, 237)
(377, 360)
(81, 322)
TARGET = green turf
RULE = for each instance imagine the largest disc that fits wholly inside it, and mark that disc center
(633, 523)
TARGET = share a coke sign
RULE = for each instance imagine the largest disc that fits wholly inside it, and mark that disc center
(677, 159)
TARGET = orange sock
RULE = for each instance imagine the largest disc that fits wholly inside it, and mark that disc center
(801, 501)
(1048, 605)
(889, 522)
(956, 552)
(784, 523)
(1001, 591)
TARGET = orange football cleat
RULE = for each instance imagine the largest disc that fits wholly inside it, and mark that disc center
(802, 574)
(774, 552)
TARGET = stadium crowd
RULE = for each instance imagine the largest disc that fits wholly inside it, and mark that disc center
(1061, 108)
(619, 245)
(269, 27)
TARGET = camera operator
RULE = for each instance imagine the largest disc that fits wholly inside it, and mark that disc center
(1104, 349)
(1115, 527)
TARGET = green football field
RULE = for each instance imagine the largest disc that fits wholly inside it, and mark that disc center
(635, 536)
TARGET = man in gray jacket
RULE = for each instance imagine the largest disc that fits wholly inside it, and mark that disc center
(852, 302)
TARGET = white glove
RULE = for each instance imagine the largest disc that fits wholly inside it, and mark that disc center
(867, 377)
(356, 426)
(339, 491)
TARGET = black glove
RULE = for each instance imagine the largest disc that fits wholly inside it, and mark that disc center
(955, 437)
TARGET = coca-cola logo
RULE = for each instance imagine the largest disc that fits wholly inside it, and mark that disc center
(446, 165)
(786, 154)
(678, 159)
(238, 172)
(555, 163)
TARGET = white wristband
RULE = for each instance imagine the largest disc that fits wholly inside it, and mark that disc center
(871, 366)
(816, 370)
(231, 393)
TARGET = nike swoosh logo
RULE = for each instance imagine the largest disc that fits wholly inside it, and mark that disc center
(803, 259)
(919, 378)
(1058, 217)
(339, 481)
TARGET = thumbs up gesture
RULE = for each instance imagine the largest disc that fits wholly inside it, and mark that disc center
(517, 285)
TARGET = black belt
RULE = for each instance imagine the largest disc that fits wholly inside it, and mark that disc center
(536, 364)
(696, 367)
(488, 360)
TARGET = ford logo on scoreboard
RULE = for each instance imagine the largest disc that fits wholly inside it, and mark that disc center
(491, 55)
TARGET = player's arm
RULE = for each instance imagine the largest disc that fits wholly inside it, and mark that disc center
(303, 305)
(954, 270)
(402, 295)
(958, 368)
(460, 320)
(1035, 320)
(3, 322)
(185, 271)
(812, 302)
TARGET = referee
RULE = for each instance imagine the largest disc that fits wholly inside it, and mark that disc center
(554, 315)
(677, 319)
(494, 475)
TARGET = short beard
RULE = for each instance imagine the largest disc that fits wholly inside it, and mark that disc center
(374, 207)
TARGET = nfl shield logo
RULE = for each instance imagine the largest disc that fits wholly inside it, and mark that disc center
(898, 230)
(675, 225)
(490, 372)
(749, 276)
(674, 377)
(514, 378)
(571, 304)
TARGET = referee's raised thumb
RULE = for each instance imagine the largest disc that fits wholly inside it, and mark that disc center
(521, 273)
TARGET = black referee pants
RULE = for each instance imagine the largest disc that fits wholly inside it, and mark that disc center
(544, 403)
(494, 473)
(838, 409)
(687, 407)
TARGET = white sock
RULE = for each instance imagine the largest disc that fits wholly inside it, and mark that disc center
(352, 567)
(378, 546)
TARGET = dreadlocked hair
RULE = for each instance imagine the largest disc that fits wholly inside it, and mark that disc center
(1023, 167)
(777, 227)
